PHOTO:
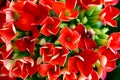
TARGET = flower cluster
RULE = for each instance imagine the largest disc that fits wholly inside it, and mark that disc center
(58, 39)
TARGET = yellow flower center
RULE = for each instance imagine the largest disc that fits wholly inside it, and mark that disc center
(69, 39)
(67, 12)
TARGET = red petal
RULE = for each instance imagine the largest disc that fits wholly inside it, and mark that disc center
(32, 70)
(72, 66)
(71, 76)
(6, 54)
(90, 56)
(44, 30)
(25, 22)
(35, 33)
(74, 14)
(21, 45)
(43, 14)
(58, 7)
(109, 55)
(111, 65)
(24, 73)
(84, 68)
(80, 28)
(58, 60)
(54, 73)
(112, 23)
(43, 69)
(31, 8)
(71, 4)
(114, 40)
(8, 33)
(94, 75)
(31, 46)
(19, 6)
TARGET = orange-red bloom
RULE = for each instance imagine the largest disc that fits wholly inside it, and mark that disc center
(50, 26)
(86, 41)
(83, 62)
(69, 38)
(65, 11)
(108, 14)
(59, 56)
(53, 72)
(114, 42)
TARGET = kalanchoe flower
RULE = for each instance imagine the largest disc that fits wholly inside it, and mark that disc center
(50, 26)
(114, 42)
(39, 11)
(24, 67)
(83, 63)
(65, 11)
(8, 33)
(86, 41)
(25, 22)
(54, 55)
(60, 55)
(5, 72)
(47, 52)
(53, 72)
(69, 38)
(25, 44)
(108, 14)
(107, 61)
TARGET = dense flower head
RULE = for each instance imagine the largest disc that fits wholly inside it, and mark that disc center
(58, 39)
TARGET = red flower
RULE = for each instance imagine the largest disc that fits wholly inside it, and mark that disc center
(107, 61)
(6, 66)
(114, 42)
(39, 11)
(59, 56)
(54, 55)
(53, 72)
(36, 12)
(50, 26)
(86, 41)
(83, 62)
(65, 10)
(25, 22)
(85, 3)
(108, 14)
(8, 33)
(24, 67)
(69, 38)
(25, 44)
(47, 52)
